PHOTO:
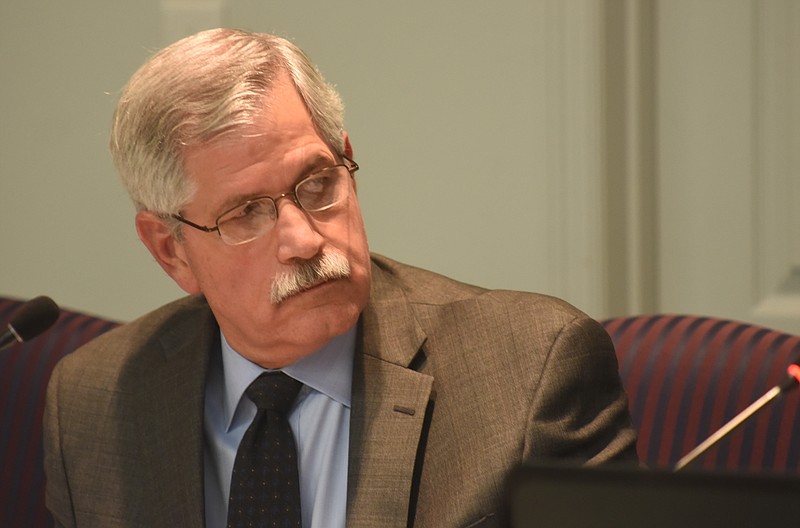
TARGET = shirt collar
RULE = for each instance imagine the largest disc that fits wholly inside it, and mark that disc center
(328, 370)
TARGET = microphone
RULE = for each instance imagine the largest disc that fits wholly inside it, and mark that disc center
(788, 384)
(29, 320)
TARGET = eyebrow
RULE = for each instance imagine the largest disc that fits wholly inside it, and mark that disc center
(317, 163)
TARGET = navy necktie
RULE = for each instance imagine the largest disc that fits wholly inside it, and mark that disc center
(265, 487)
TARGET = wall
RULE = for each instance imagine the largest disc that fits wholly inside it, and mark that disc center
(628, 155)
(456, 113)
(729, 136)
(65, 223)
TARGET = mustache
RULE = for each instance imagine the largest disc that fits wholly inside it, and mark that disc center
(328, 266)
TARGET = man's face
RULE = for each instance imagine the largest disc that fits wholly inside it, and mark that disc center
(237, 280)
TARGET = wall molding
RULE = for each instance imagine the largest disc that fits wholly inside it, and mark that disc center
(776, 261)
(629, 144)
(574, 153)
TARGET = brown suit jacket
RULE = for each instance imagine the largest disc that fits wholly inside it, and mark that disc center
(453, 386)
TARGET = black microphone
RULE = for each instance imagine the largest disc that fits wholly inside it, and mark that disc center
(792, 381)
(30, 320)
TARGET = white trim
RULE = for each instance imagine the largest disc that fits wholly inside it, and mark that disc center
(776, 258)
(574, 154)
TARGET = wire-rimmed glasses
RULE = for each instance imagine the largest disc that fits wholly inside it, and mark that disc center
(317, 192)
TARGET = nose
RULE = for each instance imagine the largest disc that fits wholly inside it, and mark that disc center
(297, 237)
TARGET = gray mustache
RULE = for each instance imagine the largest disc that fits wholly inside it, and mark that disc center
(330, 266)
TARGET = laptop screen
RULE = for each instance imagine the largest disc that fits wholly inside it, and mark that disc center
(568, 496)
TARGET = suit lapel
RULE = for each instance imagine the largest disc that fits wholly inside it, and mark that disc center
(388, 411)
(388, 414)
(170, 411)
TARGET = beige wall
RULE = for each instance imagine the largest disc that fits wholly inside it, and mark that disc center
(627, 155)
(444, 106)
(65, 224)
(728, 168)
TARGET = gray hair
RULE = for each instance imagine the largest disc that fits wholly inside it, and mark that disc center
(198, 89)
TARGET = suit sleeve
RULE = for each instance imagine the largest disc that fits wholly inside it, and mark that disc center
(57, 492)
(580, 409)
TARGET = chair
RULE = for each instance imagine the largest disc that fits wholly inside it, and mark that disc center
(24, 372)
(686, 376)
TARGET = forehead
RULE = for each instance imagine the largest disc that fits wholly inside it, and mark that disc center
(280, 146)
(282, 122)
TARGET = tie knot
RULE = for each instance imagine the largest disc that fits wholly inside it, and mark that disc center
(274, 391)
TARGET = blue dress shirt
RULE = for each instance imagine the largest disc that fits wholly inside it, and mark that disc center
(320, 421)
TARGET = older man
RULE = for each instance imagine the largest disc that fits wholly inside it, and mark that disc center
(409, 396)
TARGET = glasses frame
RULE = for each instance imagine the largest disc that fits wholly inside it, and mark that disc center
(351, 167)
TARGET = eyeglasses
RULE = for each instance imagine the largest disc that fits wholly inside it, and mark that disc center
(320, 191)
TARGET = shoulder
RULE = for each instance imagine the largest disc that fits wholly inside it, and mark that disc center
(138, 345)
(416, 284)
(470, 308)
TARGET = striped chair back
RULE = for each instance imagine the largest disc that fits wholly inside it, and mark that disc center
(686, 376)
(24, 372)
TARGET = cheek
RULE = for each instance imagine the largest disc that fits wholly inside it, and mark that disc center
(232, 276)
(357, 231)
(360, 262)
(346, 232)
(353, 241)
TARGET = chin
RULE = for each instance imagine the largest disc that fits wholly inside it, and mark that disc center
(317, 320)
(338, 320)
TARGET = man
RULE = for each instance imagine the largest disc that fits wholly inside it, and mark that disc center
(419, 394)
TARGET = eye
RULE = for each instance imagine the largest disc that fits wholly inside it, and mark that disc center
(256, 208)
(250, 211)
(318, 191)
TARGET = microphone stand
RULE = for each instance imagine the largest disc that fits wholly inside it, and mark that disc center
(739, 419)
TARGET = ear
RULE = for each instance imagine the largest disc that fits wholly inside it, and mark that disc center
(170, 254)
(348, 148)
(348, 151)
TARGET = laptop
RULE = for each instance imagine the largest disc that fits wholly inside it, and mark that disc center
(569, 496)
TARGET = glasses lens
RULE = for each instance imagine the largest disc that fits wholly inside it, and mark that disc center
(322, 190)
(319, 192)
(247, 221)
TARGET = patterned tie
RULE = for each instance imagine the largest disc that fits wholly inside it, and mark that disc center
(265, 489)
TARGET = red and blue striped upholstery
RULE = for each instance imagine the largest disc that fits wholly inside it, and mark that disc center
(24, 371)
(686, 376)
